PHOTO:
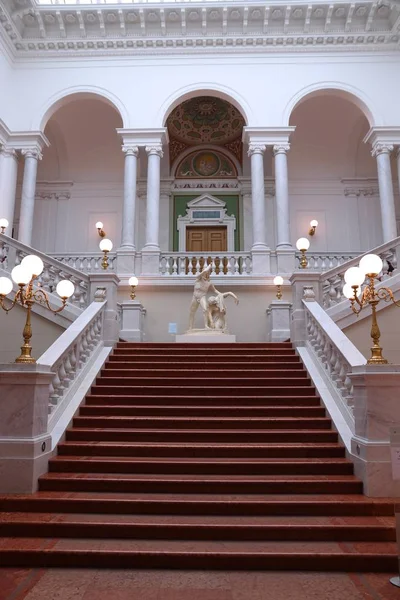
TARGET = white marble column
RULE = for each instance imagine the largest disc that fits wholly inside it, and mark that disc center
(256, 154)
(154, 153)
(32, 156)
(129, 208)
(382, 153)
(8, 185)
(282, 195)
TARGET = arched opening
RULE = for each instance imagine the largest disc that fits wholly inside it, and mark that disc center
(80, 178)
(332, 174)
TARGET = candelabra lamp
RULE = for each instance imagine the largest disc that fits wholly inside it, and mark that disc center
(313, 227)
(133, 282)
(100, 230)
(303, 245)
(370, 267)
(24, 276)
(3, 225)
(278, 281)
(106, 246)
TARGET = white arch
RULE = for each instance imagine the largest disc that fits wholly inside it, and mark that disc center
(204, 89)
(337, 88)
(63, 97)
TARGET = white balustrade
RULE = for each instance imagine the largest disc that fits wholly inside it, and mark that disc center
(323, 261)
(70, 353)
(86, 263)
(190, 263)
(334, 353)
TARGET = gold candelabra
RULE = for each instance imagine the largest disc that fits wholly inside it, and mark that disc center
(370, 267)
(133, 282)
(278, 281)
(24, 275)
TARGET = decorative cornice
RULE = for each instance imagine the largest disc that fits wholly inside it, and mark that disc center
(55, 195)
(361, 191)
(206, 185)
(66, 30)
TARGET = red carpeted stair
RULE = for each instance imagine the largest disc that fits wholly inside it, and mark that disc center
(200, 457)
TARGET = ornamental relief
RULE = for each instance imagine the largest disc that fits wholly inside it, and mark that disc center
(206, 163)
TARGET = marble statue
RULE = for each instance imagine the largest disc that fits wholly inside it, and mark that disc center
(214, 309)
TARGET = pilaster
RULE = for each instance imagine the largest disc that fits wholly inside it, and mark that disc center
(104, 286)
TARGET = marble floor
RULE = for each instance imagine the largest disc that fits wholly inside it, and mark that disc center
(71, 584)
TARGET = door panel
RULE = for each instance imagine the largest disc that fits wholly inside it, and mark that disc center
(206, 239)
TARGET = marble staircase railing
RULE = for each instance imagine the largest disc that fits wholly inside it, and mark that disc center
(85, 262)
(323, 261)
(12, 252)
(192, 263)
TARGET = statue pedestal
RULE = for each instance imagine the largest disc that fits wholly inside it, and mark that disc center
(205, 336)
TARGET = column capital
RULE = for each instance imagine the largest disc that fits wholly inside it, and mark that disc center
(130, 150)
(155, 149)
(382, 148)
(280, 149)
(256, 149)
(32, 152)
(8, 151)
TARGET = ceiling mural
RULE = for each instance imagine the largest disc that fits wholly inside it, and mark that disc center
(205, 120)
(206, 163)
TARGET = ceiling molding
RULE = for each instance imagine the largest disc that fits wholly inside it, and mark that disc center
(71, 30)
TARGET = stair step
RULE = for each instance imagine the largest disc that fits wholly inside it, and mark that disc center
(204, 422)
(202, 390)
(199, 504)
(230, 357)
(205, 466)
(197, 435)
(204, 555)
(197, 375)
(185, 402)
(217, 382)
(201, 411)
(238, 345)
(155, 527)
(182, 364)
(194, 350)
(187, 484)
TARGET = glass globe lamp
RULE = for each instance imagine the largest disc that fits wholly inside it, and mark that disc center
(106, 245)
(65, 289)
(278, 281)
(303, 245)
(33, 264)
(21, 275)
(348, 291)
(133, 282)
(6, 285)
(354, 276)
(371, 264)
(3, 224)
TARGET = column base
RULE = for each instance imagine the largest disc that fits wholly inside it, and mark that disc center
(133, 314)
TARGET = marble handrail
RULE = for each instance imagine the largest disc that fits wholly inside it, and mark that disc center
(85, 262)
(192, 263)
(323, 261)
(334, 353)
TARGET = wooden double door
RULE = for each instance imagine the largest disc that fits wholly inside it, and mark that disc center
(201, 240)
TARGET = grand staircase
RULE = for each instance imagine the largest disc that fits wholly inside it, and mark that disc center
(198, 457)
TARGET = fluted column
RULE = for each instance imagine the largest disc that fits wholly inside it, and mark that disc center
(256, 154)
(154, 154)
(8, 185)
(382, 153)
(282, 195)
(129, 208)
(32, 155)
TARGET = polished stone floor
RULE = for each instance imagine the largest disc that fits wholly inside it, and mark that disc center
(69, 584)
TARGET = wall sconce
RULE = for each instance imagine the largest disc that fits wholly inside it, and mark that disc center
(370, 266)
(278, 281)
(303, 245)
(24, 275)
(313, 227)
(3, 225)
(99, 227)
(106, 246)
(133, 282)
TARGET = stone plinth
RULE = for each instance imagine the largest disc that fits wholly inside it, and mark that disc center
(376, 411)
(104, 286)
(25, 446)
(205, 336)
(279, 321)
(305, 286)
(132, 327)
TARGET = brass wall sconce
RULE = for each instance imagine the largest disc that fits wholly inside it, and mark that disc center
(3, 225)
(106, 246)
(133, 282)
(370, 267)
(278, 281)
(313, 227)
(303, 245)
(99, 227)
(24, 275)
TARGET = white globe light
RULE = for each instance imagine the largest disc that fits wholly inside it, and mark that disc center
(371, 263)
(99, 225)
(6, 285)
(21, 275)
(133, 281)
(278, 280)
(106, 245)
(65, 288)
(4, 223)
(33, 264)
(348, 291)
(303, 244)
(314, 223)
(354, 276)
